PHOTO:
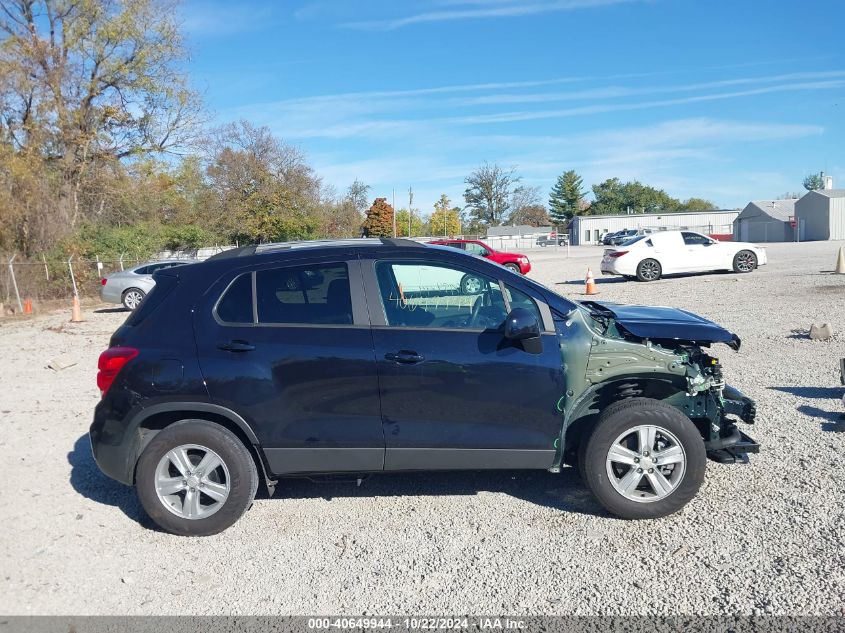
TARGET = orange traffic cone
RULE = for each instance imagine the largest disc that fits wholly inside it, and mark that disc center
(76, 312)
(591, 284)
(27, 306)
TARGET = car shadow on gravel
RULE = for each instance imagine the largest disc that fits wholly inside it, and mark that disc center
(616, 279)
(87, 480)
(821, 393)
(562, 491)
(110, 310)
(836, 419)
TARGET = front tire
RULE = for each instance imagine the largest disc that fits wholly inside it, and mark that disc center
(649, 270)
(196, 478)
(744, 262)
(644, 459)
(132, 298)
(514, 268)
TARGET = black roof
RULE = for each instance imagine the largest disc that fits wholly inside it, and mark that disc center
(275, 247)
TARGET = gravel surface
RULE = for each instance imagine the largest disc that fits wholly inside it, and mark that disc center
(760, 538)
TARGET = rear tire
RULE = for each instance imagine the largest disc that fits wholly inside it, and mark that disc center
(745, 262)
(132, 298)
(166, 499)
(643, 490)
(649, 270)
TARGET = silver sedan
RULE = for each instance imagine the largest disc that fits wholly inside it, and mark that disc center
(129, 287)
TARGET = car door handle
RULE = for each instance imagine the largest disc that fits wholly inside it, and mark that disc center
(236, 346)
(404, 357)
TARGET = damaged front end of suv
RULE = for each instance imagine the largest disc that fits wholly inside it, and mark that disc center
(613, 352)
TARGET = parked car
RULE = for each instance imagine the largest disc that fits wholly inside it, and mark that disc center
(516, 262)
(605, 239)
(376, 355)
(553, 239)
(129, 287)
(623, 236)
(648, 257)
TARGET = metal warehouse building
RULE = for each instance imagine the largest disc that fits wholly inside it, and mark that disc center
(589, 229)
(821, 215)
(766, 221)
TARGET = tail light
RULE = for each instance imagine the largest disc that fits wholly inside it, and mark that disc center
(615, 254)
(103, 281)
(110, 363)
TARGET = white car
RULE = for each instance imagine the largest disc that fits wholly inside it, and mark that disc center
(647, 257)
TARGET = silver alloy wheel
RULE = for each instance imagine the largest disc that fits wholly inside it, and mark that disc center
(192, 481)
(745, 261)
(132, 298)
(649, 270)
(472, 285)
(646, 463)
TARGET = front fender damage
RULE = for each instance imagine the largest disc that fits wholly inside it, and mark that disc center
(605, 364)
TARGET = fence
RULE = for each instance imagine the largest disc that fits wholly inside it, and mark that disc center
(43, 279)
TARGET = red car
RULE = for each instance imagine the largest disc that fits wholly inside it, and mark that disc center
(512, 261)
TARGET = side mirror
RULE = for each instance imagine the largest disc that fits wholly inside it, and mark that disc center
(521, 325)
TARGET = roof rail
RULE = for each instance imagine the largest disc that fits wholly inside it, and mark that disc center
(401, 241)
(273, 247)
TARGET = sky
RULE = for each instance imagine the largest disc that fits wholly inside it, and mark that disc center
(725, 100)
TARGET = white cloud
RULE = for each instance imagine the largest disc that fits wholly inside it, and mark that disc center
(475, 9)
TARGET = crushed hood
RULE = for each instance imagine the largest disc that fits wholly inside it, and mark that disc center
(660, 323)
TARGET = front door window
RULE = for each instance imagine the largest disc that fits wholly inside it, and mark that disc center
(437, 296)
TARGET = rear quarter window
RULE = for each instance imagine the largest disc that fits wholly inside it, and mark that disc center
(163, 286)
(235, 305)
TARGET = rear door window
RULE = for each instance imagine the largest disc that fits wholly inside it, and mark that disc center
(310, 295)
(476, 249)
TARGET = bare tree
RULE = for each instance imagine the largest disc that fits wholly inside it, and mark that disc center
(488, 193)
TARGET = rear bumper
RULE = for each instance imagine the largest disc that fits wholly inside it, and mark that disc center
(110, 294)
(115, 449)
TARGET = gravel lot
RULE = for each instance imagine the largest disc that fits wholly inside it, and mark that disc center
(765, 537)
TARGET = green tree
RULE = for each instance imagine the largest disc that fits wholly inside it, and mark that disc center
(417, 223)
(566, 196)
(813, 182)
(446, 219)
(696, 204)
(615, 197)
(488, 193)
(379, 222)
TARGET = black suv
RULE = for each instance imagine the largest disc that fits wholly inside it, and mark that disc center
(388, 355)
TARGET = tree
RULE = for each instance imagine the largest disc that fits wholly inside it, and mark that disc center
(813, 182)
(264, 188)
(82, 85)
(526, 207)
(488, 193)
(417, 223)
(615, 197)
(357, 195)
(379, 222)
(446, 219)
(566, 196)
(696, 204)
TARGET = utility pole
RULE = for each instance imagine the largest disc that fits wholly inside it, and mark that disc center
(410, 208)
(394, 213)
